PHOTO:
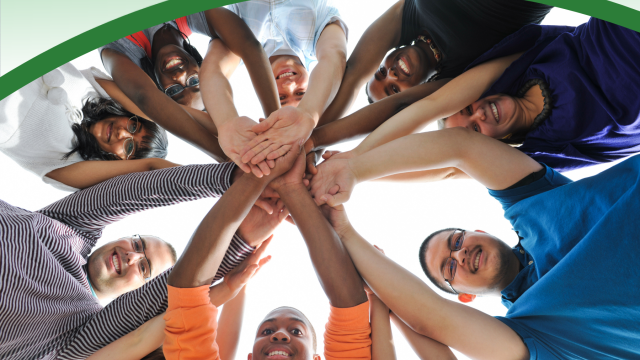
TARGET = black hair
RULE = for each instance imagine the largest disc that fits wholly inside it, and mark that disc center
(304, 317)
(94, 109)
(366, 91)
(156, 354)
(423, 260)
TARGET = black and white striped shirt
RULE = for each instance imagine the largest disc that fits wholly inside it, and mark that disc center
(46, 307)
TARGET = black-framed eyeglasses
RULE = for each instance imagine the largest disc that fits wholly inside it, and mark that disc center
(451, 265)
(143, 264)
(133, 125)
(176, 89)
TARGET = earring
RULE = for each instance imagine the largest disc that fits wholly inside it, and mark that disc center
(507, 137)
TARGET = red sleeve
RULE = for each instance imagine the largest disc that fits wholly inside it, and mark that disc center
(348, 333)
(190, 325)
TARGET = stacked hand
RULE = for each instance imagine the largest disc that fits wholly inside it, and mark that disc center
(277, 135)
(233, 136)
(334, 181)
(259, 225)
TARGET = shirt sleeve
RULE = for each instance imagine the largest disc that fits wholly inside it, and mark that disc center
(348, 333)
(509, 197)
(190, 325)
(88, 211)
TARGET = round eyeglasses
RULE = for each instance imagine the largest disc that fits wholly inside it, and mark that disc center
(129, 145)
(176, 89)
(143, 263)
(451, 265)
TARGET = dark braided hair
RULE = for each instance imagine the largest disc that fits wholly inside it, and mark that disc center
(94, 109)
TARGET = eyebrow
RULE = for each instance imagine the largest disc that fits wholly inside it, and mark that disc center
(445, 260)
(144, 247)
(291, 318)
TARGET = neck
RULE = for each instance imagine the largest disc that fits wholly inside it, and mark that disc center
(512, 270)
(529, 107)
(163, 37)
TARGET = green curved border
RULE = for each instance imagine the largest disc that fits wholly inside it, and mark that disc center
(171, 9)
(103, 34)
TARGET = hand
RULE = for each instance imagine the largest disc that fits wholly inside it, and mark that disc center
(233, 136)
(334, 182)
(259, 225)
(337, 217)
(284, 163)
(335, 154)
(312, 156)
(295, 176)
(278, 134)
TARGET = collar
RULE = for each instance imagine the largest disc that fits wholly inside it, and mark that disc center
(89, 282)
(524, 280)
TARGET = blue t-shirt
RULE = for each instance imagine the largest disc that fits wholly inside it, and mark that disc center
(578, 298)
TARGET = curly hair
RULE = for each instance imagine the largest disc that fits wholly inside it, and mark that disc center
(153, 145)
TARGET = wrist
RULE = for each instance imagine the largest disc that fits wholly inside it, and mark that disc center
(291, 189)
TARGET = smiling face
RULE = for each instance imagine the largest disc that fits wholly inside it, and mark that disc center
(174, 66)
(292, 79)
(402, 69)
(111, 134)
(284, 334)
(485, 264)
(496, 116)
(114, 268)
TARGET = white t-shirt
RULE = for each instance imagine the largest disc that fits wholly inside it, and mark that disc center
(35, 132)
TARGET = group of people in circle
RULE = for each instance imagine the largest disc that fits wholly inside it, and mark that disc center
(516, 103)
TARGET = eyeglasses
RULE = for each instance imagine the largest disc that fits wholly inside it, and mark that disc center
(176, 89)
(129, 145)
(450, 266)
(143, 263)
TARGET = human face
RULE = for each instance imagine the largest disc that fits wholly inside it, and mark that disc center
(174, 66)
(402, 69)
(496, 116)
(114, 268)
(284, 334)
(485, 263)
(111, 134)
(292, 79)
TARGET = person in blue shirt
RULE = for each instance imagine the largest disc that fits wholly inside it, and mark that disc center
(571, 283)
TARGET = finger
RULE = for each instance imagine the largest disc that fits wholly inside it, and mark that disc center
(256, 171)
(306, 183)
(334, 190)
(265, 125)
(379, 249)
(271, 163)
(244, 167)
(264, 260)
(266, 170)
(329, 153)
(278, 152)
(263, 247)
(284, 214)
(337, 199)
(248, 273)
(311, 164)
(254, 148)
(264, 205)
(321, 200)
(261, 120)
(290, 220)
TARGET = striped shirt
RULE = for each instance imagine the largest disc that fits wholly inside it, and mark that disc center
(46, 307)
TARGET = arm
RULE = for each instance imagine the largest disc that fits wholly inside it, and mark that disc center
(138, 87)
(425, 348)
(381, 338)
(231, 321)
(84, 174)
(283, 127)
(136, 344)
(377, 40)
(336, 273)
(455, 95)
(489, 161)
(473, 333)
(234, 132)
(237, 36)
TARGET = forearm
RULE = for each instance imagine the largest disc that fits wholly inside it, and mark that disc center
(231, 321)
(209, 243)
(382, 347)
(424, 347)
(336, 273)
(264, 83)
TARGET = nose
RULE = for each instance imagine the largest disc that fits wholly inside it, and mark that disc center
(133, 257)
(393, 73)
(122, 133)
(461, 256)
(479, 114)
(280, 337)
(180, 76)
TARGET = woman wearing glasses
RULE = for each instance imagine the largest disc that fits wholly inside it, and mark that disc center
(158, 64)
(62, 125)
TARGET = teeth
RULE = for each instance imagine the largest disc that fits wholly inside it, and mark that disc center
(494, 108)
(287, 74)
(403, 66)
(116, 263)
(273, 353)
(477, 262)
(173, 62)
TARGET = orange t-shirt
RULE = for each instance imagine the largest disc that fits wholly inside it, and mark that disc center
(191, 324)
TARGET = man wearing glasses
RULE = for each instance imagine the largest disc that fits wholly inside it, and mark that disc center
(47, 309)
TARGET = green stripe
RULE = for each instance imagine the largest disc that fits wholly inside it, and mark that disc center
(101, 35)
(602, 9)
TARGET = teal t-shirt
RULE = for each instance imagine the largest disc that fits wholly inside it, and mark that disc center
(581, 295)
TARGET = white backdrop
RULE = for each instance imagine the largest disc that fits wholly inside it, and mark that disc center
(395, 217)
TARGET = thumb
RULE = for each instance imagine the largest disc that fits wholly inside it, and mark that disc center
(337, 199)
(265, 125)
(264, 205)
(248, 273)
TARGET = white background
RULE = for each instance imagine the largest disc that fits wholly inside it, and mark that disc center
(397, 217)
